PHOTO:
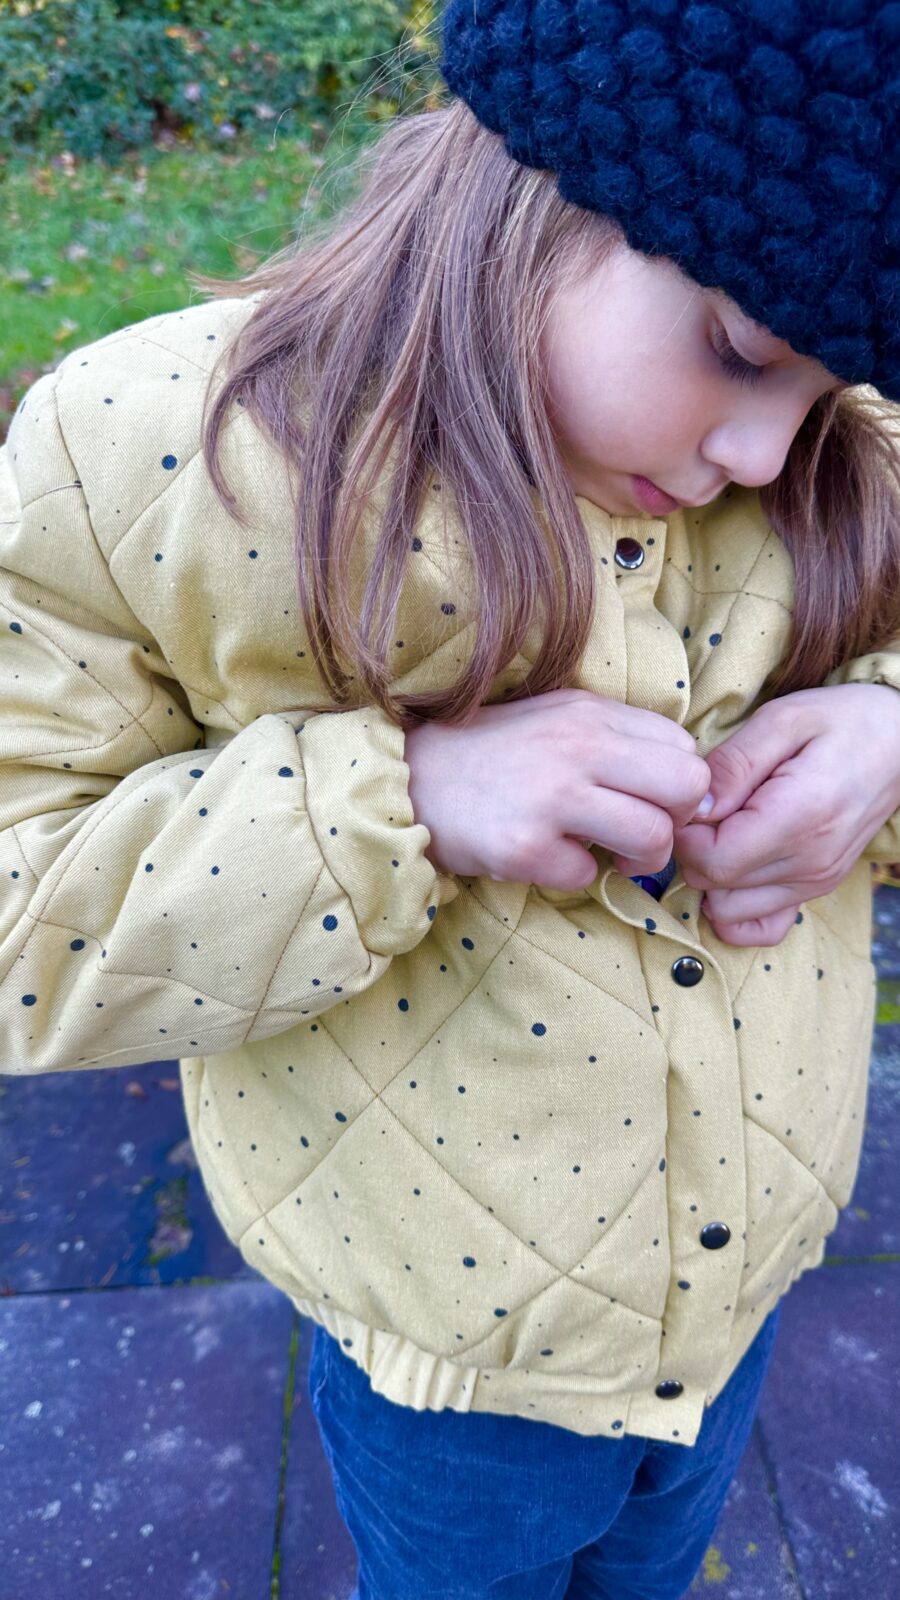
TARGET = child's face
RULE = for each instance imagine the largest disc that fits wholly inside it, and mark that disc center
(637, 388)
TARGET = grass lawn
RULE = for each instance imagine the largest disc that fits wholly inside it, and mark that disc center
(88, 248)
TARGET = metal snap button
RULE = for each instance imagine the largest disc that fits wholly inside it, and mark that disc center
(714, 1235)
(687, 971)
(628, 553)
(669, 1389)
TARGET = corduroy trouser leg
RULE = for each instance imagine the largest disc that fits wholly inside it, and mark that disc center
(453, 1506)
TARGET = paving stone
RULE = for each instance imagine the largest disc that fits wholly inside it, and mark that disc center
(141, 1442)
(99, 1184)
(169, 1427)
(870, 1224)
(748, 1557)
(886, 930)
(828, 1422)
(318, 1558)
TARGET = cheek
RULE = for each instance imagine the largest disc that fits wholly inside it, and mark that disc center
(614, 404)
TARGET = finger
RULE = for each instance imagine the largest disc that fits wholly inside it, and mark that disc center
(743, 762)
(624, 825)
(741, 905)
(758, 930)
(676, 781)
(760, 844)
(635, 867)
(783, 870)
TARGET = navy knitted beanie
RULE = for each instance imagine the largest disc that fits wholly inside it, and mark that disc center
(756, 144)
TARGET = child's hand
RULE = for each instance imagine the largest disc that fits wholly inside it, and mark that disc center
(510, 794)
(799, 792)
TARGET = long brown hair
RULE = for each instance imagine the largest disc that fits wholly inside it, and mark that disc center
(410, 325)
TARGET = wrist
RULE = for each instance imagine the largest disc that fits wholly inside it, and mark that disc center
(417, 744)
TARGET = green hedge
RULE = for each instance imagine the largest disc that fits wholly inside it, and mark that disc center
(99, 77)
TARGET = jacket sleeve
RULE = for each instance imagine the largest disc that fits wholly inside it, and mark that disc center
(158, 898)
(882, 666)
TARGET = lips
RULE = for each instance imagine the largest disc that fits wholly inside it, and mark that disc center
(652, 498)
(665, 492)
(692, 500)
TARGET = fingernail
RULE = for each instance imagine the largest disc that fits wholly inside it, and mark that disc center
(706, 804)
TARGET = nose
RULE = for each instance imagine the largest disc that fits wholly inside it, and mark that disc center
(751, 445)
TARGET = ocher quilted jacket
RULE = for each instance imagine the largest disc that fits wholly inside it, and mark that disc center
(481, 1131)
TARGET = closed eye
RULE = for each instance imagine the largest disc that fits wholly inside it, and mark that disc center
(732, 361)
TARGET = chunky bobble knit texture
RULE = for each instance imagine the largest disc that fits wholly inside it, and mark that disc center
(757, 146)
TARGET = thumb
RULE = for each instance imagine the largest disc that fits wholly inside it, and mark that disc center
(743, 762)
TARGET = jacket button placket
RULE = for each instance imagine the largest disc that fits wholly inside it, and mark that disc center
(653, 649)
(704, 1162)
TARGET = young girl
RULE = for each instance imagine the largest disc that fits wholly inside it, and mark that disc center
(493, 847)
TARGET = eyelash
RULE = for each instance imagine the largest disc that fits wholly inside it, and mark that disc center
(734, 363)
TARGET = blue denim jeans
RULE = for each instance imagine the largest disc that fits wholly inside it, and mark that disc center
(447, 1505)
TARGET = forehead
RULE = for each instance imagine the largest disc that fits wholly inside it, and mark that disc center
(721, 302)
